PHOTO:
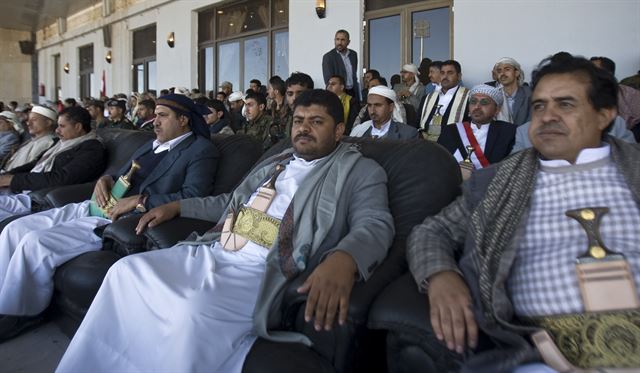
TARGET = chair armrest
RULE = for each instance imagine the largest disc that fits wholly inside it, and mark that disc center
(39, 201)
(121, 238)
(401, 307)
(61, 196)
(169, 233)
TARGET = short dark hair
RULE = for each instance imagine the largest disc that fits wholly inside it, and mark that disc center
(375, 74)
(97, 103)
(149, 104)
(164, 92)
(71, 101)
(606, 63)
(259, 97)
(383, 81)
(217, 105)
(222, 93)
(300, 79)
(339, 77)
(436, 64)
(323, 98)
(78, 114)
(256, 81)
(341, 31)
(454, 63)
(277, 84)
(603, 88)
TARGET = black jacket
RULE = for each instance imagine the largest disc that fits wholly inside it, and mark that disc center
(82, 163)
(500, 140)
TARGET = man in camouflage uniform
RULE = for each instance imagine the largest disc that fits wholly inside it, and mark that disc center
(257, 124)
(117, 108)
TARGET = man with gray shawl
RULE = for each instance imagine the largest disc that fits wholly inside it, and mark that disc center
(540, 253)
(200, 305)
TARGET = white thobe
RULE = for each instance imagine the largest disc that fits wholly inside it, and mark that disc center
(184, 309)
(33, 246)
(13, 204)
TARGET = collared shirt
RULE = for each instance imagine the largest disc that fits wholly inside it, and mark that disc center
(444, 99)
(348, 80)
(382, 132)
(511, 99)
(587, 155)
(480, 134)
(159, 147)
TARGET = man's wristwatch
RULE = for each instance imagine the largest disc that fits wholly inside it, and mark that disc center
(141, 201)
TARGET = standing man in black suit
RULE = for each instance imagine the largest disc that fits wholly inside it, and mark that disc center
(344, 62)
(491, 139)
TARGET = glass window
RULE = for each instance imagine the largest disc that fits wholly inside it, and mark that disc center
(139, 75)
(229, 63)
(281, 54)
(205, 25)
(151, 77)
(144, 43)
(208, 69)
(382, 4)
(430, 30)
(256, 60)
(384, 46)
(280, 13)
(252, 15)
(85, 55)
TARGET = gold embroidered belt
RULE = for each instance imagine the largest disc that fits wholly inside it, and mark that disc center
(256, 226)
(608, 339)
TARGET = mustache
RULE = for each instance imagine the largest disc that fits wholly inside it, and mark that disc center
(304, 136)
(550, 127)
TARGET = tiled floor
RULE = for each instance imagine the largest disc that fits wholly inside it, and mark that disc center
(37, 351)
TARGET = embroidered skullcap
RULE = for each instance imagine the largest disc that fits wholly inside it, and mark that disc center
(411, 68)
(182, 91)
(118, 102)
(384, 91)
(13, 119)
(483, 89)
(183, 105)
(45, 112)
(236, 96)
(515, 64)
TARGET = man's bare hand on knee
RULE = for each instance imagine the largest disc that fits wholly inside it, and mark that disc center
(450, 307)
(329, 287)
(158, 215)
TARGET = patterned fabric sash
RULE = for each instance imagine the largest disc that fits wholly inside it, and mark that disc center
(469, 139)
(596, 339)
(458, 104)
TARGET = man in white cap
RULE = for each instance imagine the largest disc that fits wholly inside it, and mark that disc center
(41, 125)
(386, 119)
(410, 91)
(446, 106)
(236, 109)
(491, 139)
(9, 133)
(516, 108)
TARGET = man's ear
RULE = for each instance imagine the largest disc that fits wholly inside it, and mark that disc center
(183, 120)
(606, 116)
(339, 131)
(261, 106)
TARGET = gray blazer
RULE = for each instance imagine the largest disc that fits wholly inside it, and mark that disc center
(332, 64)
(521, 106)
(397, 131)
(187, 171)
(434, 245)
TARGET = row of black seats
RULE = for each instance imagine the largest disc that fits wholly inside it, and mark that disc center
(422, 179)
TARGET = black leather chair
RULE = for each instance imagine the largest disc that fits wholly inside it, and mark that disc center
(423, 178)
(78, 280)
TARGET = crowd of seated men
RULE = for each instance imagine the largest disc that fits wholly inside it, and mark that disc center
(550, 170)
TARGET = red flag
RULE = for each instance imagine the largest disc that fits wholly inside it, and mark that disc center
(103, 86)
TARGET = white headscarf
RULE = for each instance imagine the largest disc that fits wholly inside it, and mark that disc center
(416, 82)
(397, 116)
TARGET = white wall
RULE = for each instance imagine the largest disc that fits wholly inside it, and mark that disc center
(15, 76)
(310, 37)
(530, 30)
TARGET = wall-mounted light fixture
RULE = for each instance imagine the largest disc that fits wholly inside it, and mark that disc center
(321, 8)
(108, 57)
(171, 39)
(66, 68)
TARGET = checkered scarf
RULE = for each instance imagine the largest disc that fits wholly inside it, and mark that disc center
(495, 220)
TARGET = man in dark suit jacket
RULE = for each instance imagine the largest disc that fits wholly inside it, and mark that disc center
(491, 139)
(77, 157)
(344, 62)
(180, 163)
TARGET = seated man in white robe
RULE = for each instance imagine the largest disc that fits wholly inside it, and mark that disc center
(201, 304)
(386, 118)
(180, 163)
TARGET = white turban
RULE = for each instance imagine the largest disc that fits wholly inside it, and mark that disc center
(46, 112)
(13, 119)
(483, 89)
(236, 96)
(510, 61)
(411, 68)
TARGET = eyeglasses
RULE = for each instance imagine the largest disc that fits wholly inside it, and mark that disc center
(481, 102)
